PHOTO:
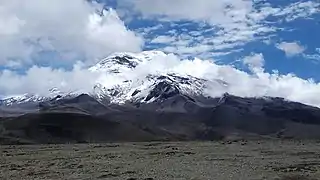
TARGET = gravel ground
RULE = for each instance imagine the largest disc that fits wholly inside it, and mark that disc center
(283, 160)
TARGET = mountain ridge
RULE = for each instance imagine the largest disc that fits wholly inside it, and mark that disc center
(118, 84)
(177, 117)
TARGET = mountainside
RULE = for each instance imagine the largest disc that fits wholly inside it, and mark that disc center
(131, 103)
(178, 117)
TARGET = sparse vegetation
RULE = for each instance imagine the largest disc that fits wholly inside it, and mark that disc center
(258, 160)
(296, 177)
(2, 129)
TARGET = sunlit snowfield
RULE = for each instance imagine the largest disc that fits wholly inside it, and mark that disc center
(267, 159)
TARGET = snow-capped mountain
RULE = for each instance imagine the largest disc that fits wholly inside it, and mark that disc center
(127, 80)
(125, 77)
(163, 102)
(54, 94)
(121, 62)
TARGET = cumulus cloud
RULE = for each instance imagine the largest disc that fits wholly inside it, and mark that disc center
(39, 80)
(78, 29)
(256, 84)
(291, 48)
(254, 61)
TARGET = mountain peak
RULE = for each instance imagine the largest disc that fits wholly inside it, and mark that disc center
(123, 61)
(122, 80)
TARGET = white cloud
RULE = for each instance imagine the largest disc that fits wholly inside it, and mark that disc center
(257, 84)
(13, 64)
(299, 10)
(220, 12)
(29, 27)
(212, 11)
(187, 50)
(230, 17)
(233, 23)
(291, 48)
(314, 57)
(254, 61)
(39, 80)
(163, 39)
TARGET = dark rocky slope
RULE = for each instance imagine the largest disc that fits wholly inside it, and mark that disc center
(176, 117)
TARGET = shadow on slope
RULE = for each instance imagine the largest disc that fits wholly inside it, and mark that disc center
(83, 104)
(84, 119)
(71, 128)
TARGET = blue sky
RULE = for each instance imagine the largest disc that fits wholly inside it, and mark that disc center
(55, 37)
(302, 30)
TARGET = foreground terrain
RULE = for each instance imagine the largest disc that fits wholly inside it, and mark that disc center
(267, 159)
